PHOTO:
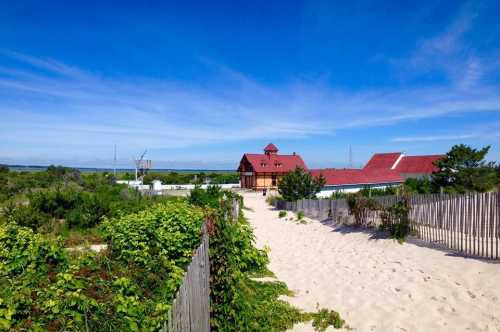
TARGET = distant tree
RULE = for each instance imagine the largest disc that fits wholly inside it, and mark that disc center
(300, 184)
(464, 169)
(420, 186)
(4, 169)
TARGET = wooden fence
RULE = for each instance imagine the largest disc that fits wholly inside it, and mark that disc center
(469, 224)
(190, 310)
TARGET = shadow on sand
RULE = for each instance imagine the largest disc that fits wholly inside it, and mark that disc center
(374, 234)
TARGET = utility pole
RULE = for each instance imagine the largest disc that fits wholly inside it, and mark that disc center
(350, 156)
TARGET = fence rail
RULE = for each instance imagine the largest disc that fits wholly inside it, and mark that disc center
(469, 224)
(190, 311)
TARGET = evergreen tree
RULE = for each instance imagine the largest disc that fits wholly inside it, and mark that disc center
(464, 169)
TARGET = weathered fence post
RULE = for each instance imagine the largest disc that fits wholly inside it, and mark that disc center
(190, 311)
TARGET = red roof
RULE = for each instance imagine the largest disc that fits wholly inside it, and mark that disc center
(338, 177)
(382, 160)
(271, 148)
(273, 163)
(418, 164)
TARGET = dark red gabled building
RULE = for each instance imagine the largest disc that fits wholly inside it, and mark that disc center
(264, 171)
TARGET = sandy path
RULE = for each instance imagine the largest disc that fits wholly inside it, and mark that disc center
(377, 284)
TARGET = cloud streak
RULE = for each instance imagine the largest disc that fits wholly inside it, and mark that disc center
(56, 106)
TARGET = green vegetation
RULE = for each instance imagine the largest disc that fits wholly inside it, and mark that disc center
(207, 198)
(464, 169)
(395, 218)
(282, 214)
(128, 287)
(325, 318)
(359, 207)
(195, 178)
(300, 215)
(299, 184)
(238, 302)
(60, 201)
(369, 192)
(272, 199)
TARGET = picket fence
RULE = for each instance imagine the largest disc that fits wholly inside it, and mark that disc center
(469, 224)
(190, 311)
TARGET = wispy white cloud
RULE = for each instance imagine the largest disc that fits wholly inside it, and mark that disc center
(62, 108)
(450, 53)
(432, 138)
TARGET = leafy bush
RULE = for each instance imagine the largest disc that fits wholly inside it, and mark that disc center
(300, 215)
(232, 256)
(360, 206)
(127, 288)
(209, 197)
(299, 184)
(395, 219)
(325, 318)
(160, 235)
(420, 186)
(26, 216)
(282, 214)
(372, 192)
(196, 178)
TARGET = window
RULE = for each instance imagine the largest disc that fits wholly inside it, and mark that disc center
(274, 180)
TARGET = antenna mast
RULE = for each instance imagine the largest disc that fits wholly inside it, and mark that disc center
(141, 166)
(350, 156)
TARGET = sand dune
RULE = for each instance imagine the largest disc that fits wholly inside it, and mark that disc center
(377, 284)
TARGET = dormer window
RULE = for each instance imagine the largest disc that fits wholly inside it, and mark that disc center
(262, 164)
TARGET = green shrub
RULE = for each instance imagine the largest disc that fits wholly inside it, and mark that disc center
(272, 199)
(160, 235)
(209, 197)
(360, 206)
(396, 220)
(25, 215)
(127, 288)
(300, 215)
(282, 214)
(325, 318)
(300, 184)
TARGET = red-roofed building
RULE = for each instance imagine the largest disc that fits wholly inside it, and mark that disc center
(352, 180)
(407, 166)
(263, 171)
(418, 166)
(383, 160)
(381, 171)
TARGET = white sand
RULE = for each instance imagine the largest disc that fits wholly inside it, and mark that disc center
(376, 284)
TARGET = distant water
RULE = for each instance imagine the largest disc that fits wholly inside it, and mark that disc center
(32, 168)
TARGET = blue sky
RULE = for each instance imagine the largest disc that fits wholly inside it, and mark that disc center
(199, 83)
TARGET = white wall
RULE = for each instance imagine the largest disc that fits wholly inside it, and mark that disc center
(158, 186)
(191, 186)
(327, 191)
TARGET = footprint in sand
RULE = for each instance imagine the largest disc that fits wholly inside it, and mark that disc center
(472, 296)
